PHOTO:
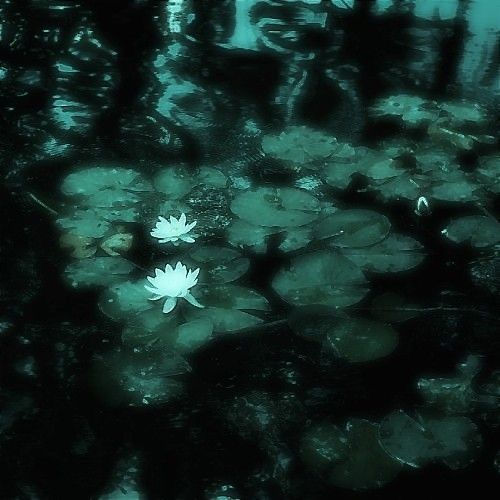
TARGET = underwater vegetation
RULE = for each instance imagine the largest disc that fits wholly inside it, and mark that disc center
(256, 262)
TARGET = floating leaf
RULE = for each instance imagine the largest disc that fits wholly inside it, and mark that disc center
(360, 340)
(244, 235)
(481, 231)
(86, 223)
(125, 299)
(367, 465)
(97, 271)
(219, 264)
(324, 277)
(394, 254)
(353, 228)
(173, 182)
(284, 207)
(300, 145)
(411, 109)
(454, 441)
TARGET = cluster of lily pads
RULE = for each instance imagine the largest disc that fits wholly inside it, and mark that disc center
(194, 289)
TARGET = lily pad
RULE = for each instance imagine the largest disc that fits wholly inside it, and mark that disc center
(361, 340)
(226, 306)
(353, 228)
(321, 278)
(97, 271)
(219, 264)
(367, 465)
(481, 231)
(412, 109)
(86, 223)
(454, 441)
(244, 235)
(173, 182)
(283, 207)
(396, 253)
(300, 145)
(126, 299)
(105, 186)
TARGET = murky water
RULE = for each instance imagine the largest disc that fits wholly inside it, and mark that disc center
(250, 249)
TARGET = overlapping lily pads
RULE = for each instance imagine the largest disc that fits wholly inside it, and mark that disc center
(479, 230)
(321, 278)
(283, 207)
(97, 271)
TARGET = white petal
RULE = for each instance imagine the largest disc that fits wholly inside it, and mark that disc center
(162, 219)
(182, 219)
(190, 226)
(178, 266)
(152, 290)
(192, 300)
(170, 303)
(173, 220)
(187, 239)
(168, 269)
(151, 280)
(158, 297)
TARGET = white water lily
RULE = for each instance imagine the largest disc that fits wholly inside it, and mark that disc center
(173, 284)
(173, 230)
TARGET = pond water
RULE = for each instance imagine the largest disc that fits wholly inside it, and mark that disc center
(250, 249)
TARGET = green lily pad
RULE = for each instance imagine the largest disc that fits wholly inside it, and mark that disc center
(104, 181)
(339, 175)
(126, 299)
(454, 441)
(361, 340)
(367, 466)
(323, 445)
(481, 231)
(283, 207)
(459, 113)
(454, 189)
(353, 228)
(300, 145)
(296, 238)
(219, 264)
(226, 306)
(396, 253)
(97, 271)
(321, 278)
(241, 234)
(489, 171)
(88, 223)
(412, 110)
(173, 182)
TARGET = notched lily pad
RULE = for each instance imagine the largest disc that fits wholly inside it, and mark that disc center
(97, 271)
(361, 340)
(353, 228)
(283, 207)
(454, 441)
(479, 230)
(321, 278)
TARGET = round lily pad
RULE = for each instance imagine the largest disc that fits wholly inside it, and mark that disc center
(360, 340)
(321, 278)
(367, 465)
(353, 228)
(123, 300)
(481, 231)
(87, 223)
(454, 440)
(413, 110)
(284, 207)
(244, 235)
(226, 306)
(97, 271)
(300, 145)
(396, 253)
(219, 264)
(173, 182)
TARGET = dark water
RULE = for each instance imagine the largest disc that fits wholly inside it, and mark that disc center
(352, 273)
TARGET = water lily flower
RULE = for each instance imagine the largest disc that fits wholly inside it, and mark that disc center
(423, 207)
(173, 230)
(173, 284)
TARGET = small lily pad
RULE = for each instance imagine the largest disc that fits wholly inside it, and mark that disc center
(173, 182)
(244, 235)
(283, 207)
(361, 340)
